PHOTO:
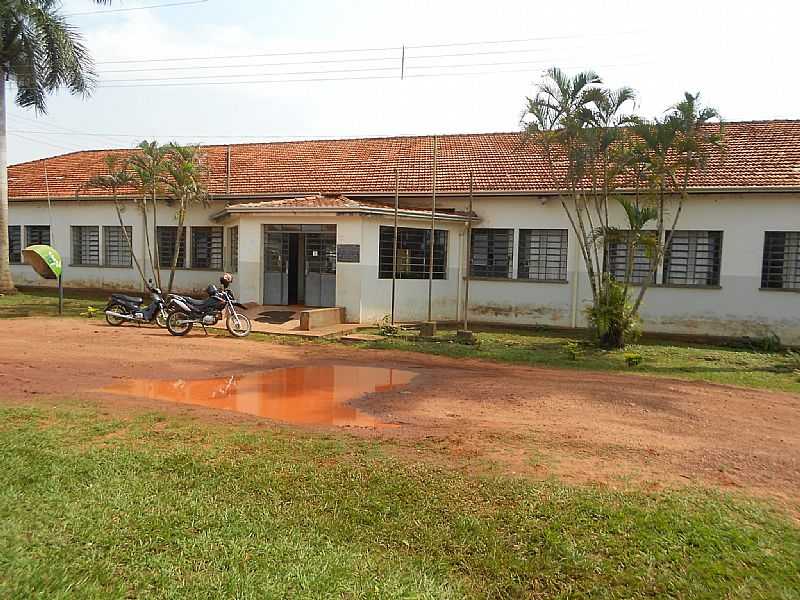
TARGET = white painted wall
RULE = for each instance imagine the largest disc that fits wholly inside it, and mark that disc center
(66, 213)
(739, 307)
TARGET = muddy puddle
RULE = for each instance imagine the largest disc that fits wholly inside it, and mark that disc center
(315, 395)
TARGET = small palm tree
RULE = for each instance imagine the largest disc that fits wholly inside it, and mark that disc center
(118, 177)
(149, 169)
(40, 52)
(185, 184)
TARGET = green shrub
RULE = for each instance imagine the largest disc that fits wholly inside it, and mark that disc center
(573, 350)
(385, 326)
(612, 317)
(633, 359)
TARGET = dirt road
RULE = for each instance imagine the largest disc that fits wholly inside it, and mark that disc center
(612, 429)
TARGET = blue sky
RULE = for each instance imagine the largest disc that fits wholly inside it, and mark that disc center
(740, 55)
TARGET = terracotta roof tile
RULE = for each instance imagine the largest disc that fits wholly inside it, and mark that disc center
(760, 154)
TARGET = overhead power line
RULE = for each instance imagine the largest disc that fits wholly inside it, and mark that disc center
(396, 48)
(143, 83)
(94, 13)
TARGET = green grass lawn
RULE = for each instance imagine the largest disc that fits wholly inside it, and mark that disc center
(92, 506)
(44, 303)
(718, 364)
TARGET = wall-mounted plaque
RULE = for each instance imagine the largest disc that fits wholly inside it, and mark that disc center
(348, 253)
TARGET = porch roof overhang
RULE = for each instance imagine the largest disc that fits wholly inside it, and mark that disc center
(336, 205)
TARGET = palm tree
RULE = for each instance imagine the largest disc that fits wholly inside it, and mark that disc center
(116, 178)
(186, 184)
(40, 52)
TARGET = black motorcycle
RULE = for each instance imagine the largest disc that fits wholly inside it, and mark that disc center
(185, 312)
(121, 309)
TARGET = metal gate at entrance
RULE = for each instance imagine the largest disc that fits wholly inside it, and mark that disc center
(300, 265)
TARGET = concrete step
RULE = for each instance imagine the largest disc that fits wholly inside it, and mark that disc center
(317, 318)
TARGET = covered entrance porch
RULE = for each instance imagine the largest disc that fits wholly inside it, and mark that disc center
(299, 265)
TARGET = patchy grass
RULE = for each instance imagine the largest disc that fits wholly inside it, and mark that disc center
(44, 303)
(93, 507)
(717, 364)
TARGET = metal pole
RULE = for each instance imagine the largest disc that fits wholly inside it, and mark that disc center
(469, 255)
(433, 235)
(394, 244)
(60, 296)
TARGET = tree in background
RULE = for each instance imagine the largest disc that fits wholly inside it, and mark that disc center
(596, 153)
(186, 185)
(171, 174)
(117, 177)
(148, 166)
(41, 53)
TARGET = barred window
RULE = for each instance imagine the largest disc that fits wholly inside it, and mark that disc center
(85, 245)
(207, 248)
(167, 239)
(693, 258)
(14, 244)
(233, 249)
(616, 258)
(781, 263)
(116, 252)
(37, 234)
(491, 252)
(542, 254)
(413, 253)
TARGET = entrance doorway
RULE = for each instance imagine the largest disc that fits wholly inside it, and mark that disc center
(300, 265)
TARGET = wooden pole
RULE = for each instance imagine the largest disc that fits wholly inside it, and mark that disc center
(469, 255)
(394, 244)
(433, 235)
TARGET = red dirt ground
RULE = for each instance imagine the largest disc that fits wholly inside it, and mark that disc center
(611, 429)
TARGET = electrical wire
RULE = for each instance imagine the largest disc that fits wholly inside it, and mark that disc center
(94, 13)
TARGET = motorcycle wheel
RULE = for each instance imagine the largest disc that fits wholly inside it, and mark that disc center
(161, 319)
(243, 328)
(117, 308)
(174, 325)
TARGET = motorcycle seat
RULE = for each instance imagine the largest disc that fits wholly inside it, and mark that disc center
(124, 298)
(195, 302)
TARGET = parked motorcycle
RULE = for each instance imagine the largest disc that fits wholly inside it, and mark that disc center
(122, 308)
(185, 312)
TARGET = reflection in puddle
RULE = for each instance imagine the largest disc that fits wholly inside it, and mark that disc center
(308, 395)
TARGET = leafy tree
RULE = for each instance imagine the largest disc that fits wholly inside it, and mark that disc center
(41, 53)
(596, 154)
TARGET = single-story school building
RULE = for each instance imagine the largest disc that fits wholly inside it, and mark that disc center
(311, 223)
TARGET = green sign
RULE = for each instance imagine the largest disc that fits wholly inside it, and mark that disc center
(45, 260)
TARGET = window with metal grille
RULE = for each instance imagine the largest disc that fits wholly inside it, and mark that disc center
(14, 244)
(116, 251)
(413, 253)
(491, 253)
(542, 254)
(233, 249)
(85, 245)
(207, 248)
(781, 263)
(37, 234)
(167, 239)
(616, 257)
(693, 258)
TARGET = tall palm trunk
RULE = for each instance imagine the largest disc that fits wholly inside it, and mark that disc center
(6, 283)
